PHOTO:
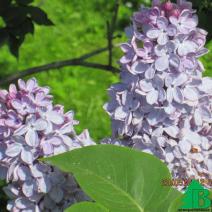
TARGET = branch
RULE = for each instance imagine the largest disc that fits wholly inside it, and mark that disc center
(114, 19)
(80, 61)
(110, 31)
(93, 53)
(109, 44)
(100, 66)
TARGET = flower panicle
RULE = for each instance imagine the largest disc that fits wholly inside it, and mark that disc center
(163, 104)
(31, 127)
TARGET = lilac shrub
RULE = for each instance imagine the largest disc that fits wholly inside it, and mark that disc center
(31, 127)
(163, 104)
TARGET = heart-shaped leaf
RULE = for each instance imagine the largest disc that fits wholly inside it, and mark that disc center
(119, 178)
(86, 207)
(39, 16)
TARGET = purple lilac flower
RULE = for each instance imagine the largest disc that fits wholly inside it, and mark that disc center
(163, 105)
(31, 127)
(162, 31)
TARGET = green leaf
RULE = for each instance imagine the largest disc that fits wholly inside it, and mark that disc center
(174, 200)
(14, 44)
(2, 183)
(39, 16)
(22, 29)
(24, 2)
(15, 15)
(119, 178)
(4, 4)
(87, 207)
(3, 36)
(27, 26)
(176, 204)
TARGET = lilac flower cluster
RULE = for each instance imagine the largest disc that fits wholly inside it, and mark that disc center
(31, 127)
(163, 105)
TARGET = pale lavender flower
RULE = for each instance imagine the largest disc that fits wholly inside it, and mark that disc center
(166, 57)
(23, 106)
(129, 53)
(31, 127)
(186, 22)
(184, 45)
(144, 53)
(172, 118)
(163, 31)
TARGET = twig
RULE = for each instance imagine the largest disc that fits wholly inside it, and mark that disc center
(100, 66)
(110, 53)
(115, 15)
(110, 32)
(80, 61)
(93, 53)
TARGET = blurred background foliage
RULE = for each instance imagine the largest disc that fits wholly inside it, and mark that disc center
(79, 27)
